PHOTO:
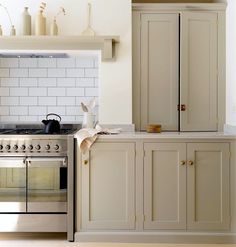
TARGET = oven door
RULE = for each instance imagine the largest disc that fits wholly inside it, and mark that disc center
(47, 184)
(12, 184)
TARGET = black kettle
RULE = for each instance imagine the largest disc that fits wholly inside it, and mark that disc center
(52, 126)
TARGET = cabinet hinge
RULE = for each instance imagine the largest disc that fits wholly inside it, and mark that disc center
(144, 153)
(229, 154)
(135, 218)
(144, 217)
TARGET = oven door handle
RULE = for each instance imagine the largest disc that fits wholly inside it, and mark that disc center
(10, 162)
(46, 161)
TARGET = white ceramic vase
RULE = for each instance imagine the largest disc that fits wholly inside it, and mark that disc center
(13, 31)
(26, 22)
(88, 121)
(40, 24)
(54, 28)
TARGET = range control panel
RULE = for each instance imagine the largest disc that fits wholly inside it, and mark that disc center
(32, 146)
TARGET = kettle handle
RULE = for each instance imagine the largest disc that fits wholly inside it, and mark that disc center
(53, 114)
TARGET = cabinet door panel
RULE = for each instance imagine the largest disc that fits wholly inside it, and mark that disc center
(164, 186)
(198, 78)
(208, 186)
(159, 70)
(108, 187)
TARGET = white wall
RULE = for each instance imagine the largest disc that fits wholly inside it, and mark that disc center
(110, 17)
(231, 63)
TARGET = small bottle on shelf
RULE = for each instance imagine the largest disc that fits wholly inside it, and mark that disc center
(26, 22)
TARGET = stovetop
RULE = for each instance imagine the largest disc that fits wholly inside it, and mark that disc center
(33, 132)
(26, 129)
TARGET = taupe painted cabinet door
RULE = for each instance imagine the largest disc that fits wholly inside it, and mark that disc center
(198, 76)
(159, 70)
(108, 186)
(208, 186)
(165, 186)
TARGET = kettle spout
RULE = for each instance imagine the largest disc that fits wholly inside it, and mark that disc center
(45, 122)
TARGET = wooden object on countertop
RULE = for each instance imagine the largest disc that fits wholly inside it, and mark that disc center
(153, 128)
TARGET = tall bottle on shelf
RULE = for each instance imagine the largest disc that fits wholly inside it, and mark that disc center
(26, 22)
(40, 21)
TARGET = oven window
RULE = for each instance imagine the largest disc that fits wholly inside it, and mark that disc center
(47, 185)
(12, 185)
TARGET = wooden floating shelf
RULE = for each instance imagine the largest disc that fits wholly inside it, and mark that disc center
(71, 43)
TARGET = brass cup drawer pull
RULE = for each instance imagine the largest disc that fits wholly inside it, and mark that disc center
(182, 163)
(85, 162)
(191, 163)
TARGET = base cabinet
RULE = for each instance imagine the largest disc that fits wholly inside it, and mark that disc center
(108, 187)
(151, 186)
(186, 180)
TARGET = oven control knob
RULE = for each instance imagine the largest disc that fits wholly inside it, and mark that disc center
(15, 147)
(22, 147)
(1, 147)
(47, 147)
(38, 147)
(8, 147)
(30, 147)
(56, 147)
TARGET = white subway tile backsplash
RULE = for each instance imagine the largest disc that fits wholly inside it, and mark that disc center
(84, 82)
(4, 110)
(28, 101)
(56, 72)
(9, 118)
(18, 91)
(37, 110)
(74, 110)
(47, 101)
(18, 73)
(66, 82)
(18, 110)
(47, 63)
(56, 92)
(85, 62)
(9, 62)
(75, 91)
(9, 82)
(91, 72)
(30, 88)
(91, 92)
(28, 62)
(37, 91)
(38, 73)
(9, 101)
(47, 82)
(65, 101)
(28, 118)
(66, 62)
(28, 82)
(4, 73)
(4, 91)
(75, 72)
(61, 110)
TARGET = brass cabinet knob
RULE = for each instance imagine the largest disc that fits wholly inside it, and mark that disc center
(85, 162)
(190, 162)
(182, 163)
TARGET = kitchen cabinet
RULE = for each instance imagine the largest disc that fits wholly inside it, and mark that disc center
(186, 180)
(108, 187)
(179, 66)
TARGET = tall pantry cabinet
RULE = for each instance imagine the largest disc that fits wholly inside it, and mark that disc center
(179, 66)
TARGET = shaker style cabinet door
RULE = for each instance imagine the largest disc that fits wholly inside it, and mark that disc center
(108, 187)
(198, 72)
(208, 186)
(159, 70)
(165, 186)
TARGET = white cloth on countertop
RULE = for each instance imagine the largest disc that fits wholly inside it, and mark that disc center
(86, 137)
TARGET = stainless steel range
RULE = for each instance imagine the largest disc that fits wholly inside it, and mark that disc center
(37, 180)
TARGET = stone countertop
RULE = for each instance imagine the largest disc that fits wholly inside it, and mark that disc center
(170, 135)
